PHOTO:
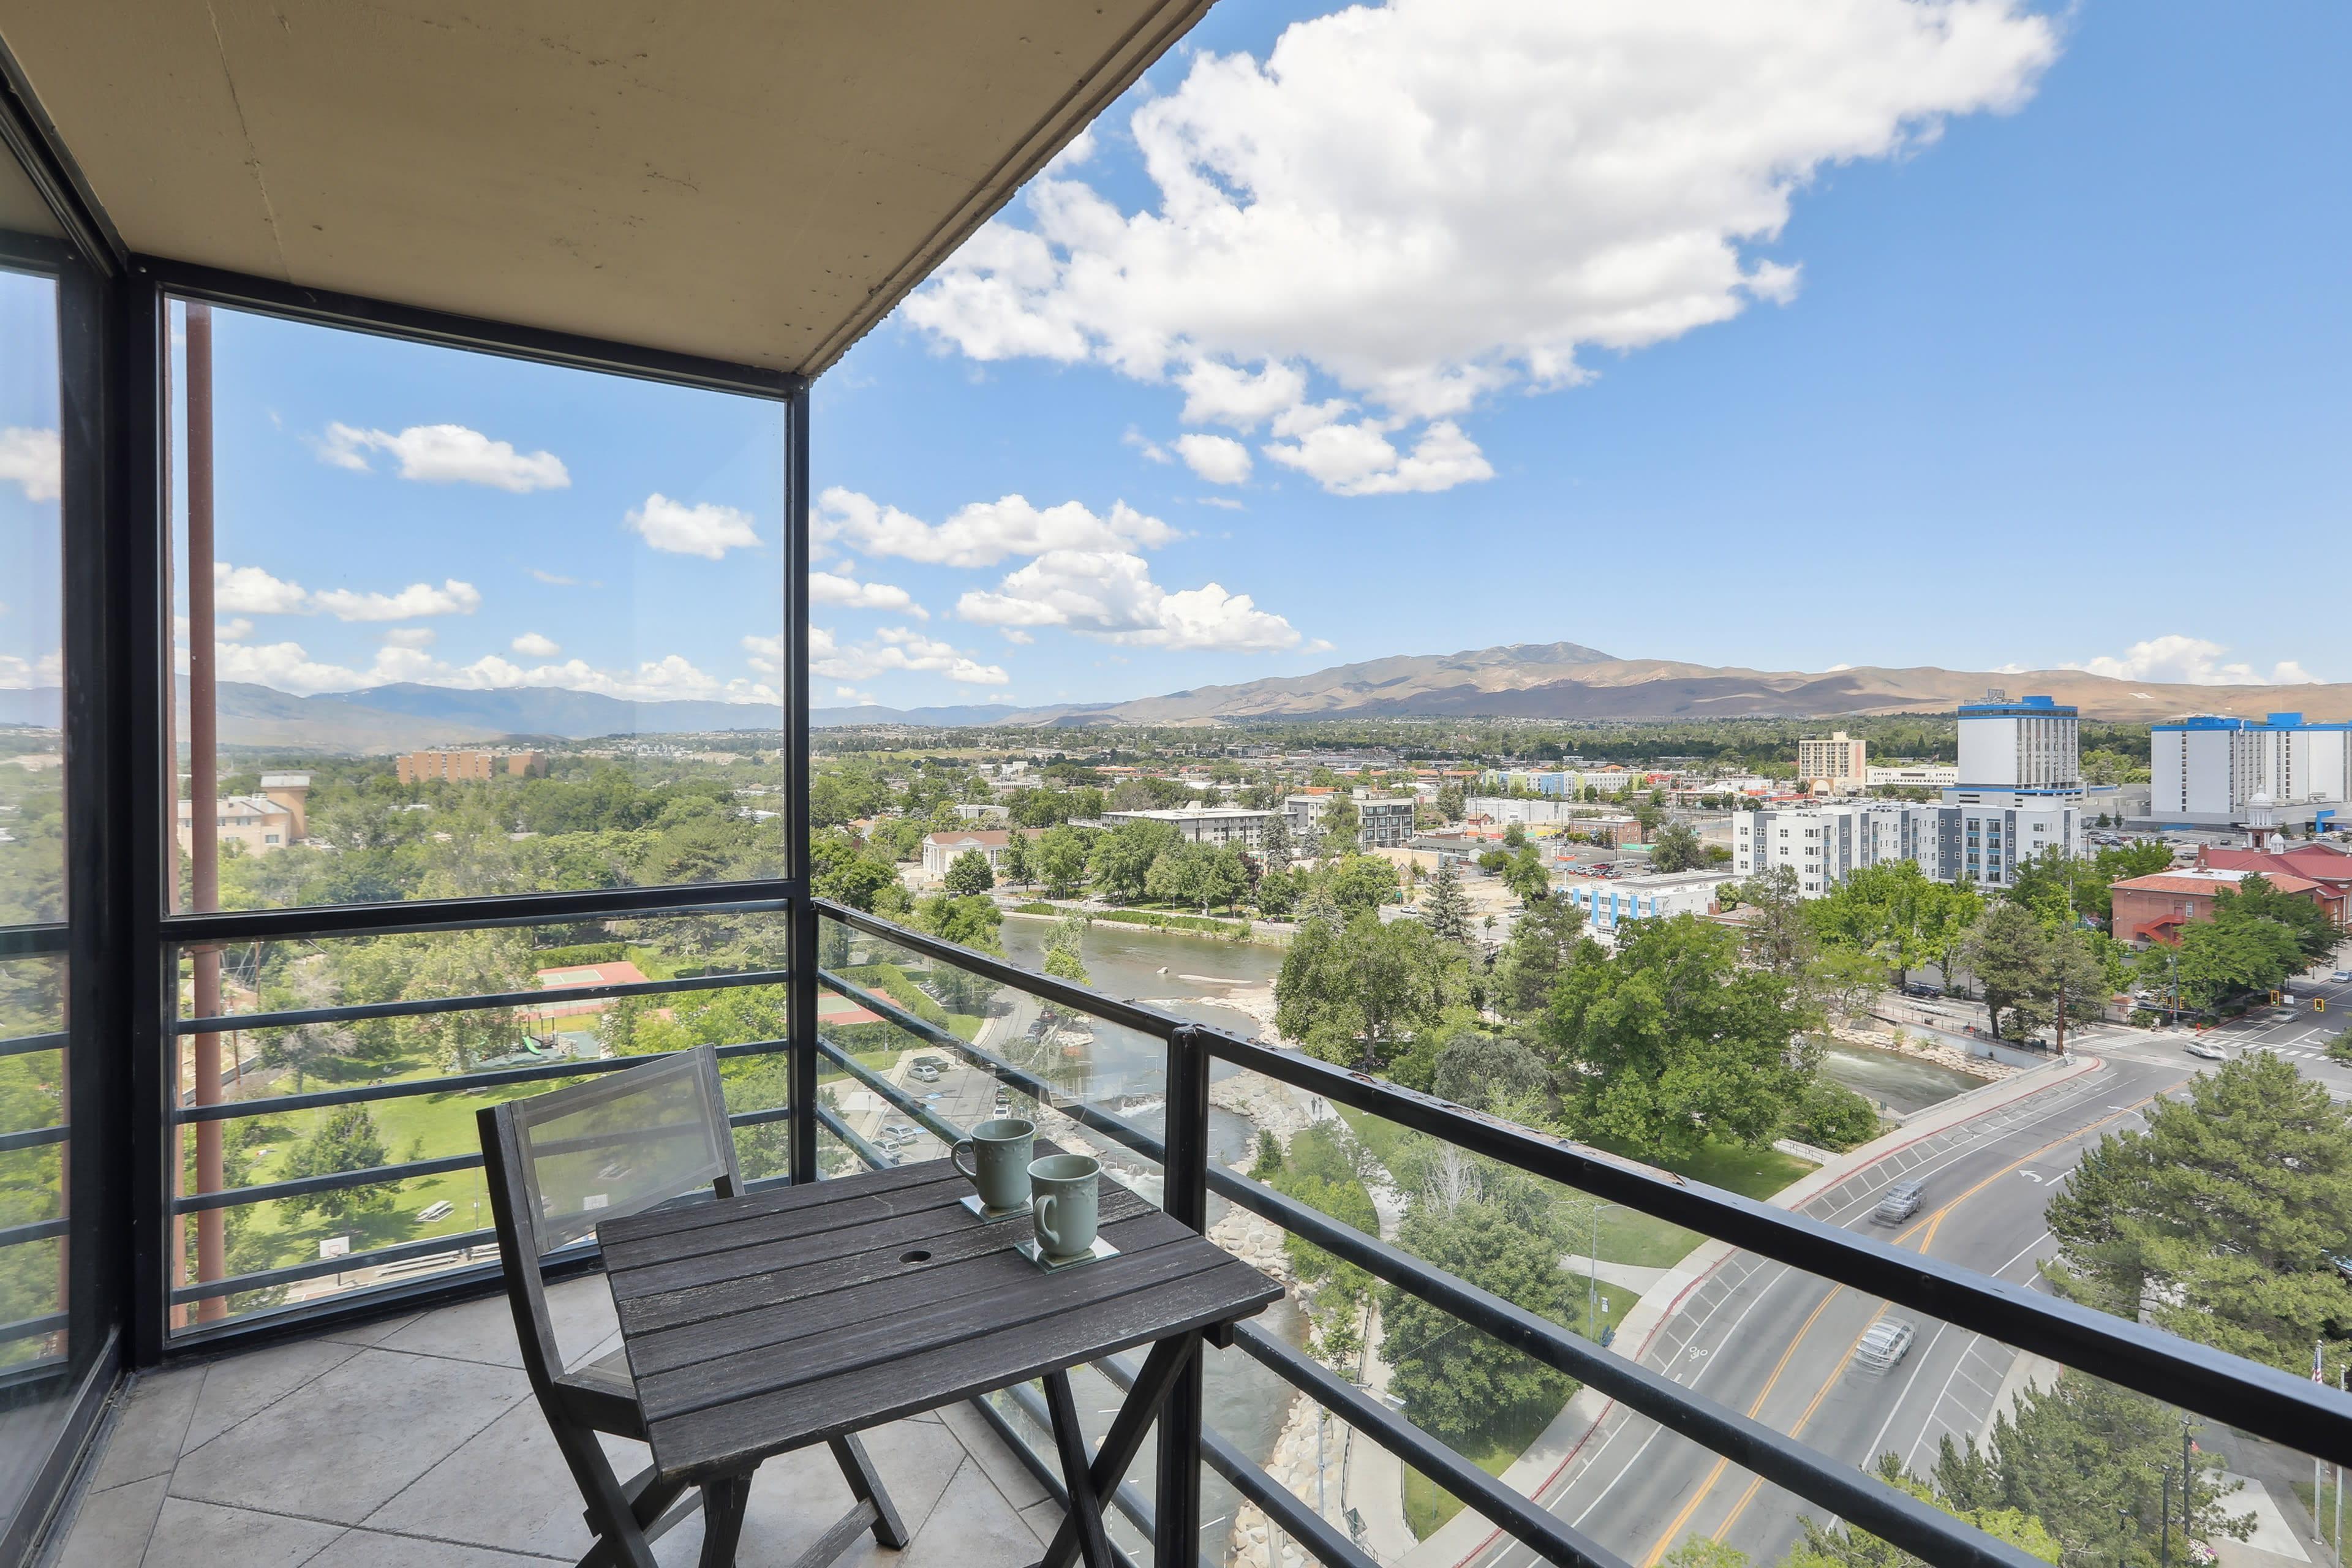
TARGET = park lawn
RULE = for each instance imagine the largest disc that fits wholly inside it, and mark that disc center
(1428, 1505)
(2321, 1507)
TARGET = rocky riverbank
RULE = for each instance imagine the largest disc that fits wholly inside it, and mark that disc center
(1904, 1043)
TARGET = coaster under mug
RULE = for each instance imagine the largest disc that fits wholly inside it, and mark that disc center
(1035, 1253)
(993, 1216)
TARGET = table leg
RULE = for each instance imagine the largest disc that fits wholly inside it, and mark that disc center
(723, 1501)
(1160, 1368)
(1086, 1509)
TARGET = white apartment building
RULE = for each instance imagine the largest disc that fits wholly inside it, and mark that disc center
(1826, 843)
(1382, 823)
(2204, 771)
(2029, 743)
(1836, 760)
(1913, 775)
(1204, 824)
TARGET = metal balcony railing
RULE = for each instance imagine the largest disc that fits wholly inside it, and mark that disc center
(2252, 1397)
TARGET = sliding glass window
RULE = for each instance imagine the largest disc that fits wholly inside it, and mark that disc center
(449, 626)
(47, 1337)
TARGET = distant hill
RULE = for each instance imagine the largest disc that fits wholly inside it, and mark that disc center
(1561, 680)
(407, 717)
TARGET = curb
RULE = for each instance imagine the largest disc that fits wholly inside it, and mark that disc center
(1708, 1256)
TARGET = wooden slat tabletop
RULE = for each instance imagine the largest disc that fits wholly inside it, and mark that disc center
(765, 1323)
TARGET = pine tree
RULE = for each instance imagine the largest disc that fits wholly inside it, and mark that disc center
(1447, 908)
(1274, 843)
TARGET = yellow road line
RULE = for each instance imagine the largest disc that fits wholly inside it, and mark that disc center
(1714, 1475)
(1928, 1226)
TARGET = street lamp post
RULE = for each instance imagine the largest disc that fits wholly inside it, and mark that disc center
(1591, 1274)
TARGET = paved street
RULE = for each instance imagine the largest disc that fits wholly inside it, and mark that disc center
(2299, 1032)
(1779, 1345)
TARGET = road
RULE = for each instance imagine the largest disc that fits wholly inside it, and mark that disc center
(2299, 1032)
(1778, 1344)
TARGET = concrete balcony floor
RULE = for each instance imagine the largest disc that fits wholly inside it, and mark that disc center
(415, 1442)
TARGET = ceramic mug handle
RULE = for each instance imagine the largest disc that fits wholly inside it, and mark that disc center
(1043, 1205)
(955, 1158)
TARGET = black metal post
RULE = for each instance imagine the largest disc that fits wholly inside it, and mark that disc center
(2163, 1546)
(1184, 1173)
(143, 773)
(800, 991)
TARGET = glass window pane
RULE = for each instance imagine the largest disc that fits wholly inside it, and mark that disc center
(449, 625)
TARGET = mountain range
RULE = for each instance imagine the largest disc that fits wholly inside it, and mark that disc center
(1561, 680)
(1566, 680)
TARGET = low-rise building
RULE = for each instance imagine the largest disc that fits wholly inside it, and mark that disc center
(260, 824)
(1981, 839)
(942, 850)
(465, 767)
(2154, 909)
(1652, 896)
(1204, 824)
(984, 813)
(1912, 776)
(1382, 822)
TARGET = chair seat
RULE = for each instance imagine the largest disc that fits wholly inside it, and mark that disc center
(608, 1373)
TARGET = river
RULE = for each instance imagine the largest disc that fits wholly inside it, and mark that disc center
(1900, 1082)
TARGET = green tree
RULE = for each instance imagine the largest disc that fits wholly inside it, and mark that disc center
(2217, 959)
(2224, 1218)
(1342, 826)
(1016, 858)
(1446, 909)
(1487, 1072)
(1894, 913)
(969, 873)
(1120, 860)
(1352, 993)
(1274, 848)
(2009, 954)
(1843, 1546)
(1455, 1380)
(1061, 859)
(2256, 898)
(1449, 802)
(2087, 1460)
(347, 1141)
(1526, 876)
(1780, 937)
(1673, 1041)
(1359, 882)
(1830, 1116)
(1530, 965)
(1065, 949)
(1676, 848)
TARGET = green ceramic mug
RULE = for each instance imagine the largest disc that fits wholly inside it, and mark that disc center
(1067, 1191)
(1000, 1152)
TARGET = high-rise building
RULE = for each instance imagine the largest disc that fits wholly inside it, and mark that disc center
(2206, 769)
(1835, 759)
(2029, 744)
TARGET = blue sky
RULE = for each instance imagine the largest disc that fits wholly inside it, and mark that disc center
(1738, 332)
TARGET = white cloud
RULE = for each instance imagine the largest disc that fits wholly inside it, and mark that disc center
(28, 674)
(289, 667)
(1359, 461)
(824, 588)
(445, 455)
(2190, 661)
(1220, 459)
(984, 532)
(896, 647)
(551, 577)
(250, 591)
(1112, 596)
(767, 654)
(236, 630)
(30, 458)
(1433, 200)
(851, 694)
(452, 598)
(531, 645)
(704, 529)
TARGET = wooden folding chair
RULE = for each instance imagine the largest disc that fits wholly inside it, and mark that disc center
(557, 1164)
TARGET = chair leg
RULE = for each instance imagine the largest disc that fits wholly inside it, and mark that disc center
(723, 1503)
(865, 1486)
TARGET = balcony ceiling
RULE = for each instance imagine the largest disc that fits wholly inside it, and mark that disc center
(757, 181)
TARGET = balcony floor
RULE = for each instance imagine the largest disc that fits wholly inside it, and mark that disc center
(415, 1442)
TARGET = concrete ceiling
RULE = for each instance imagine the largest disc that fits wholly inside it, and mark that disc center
(756, 181)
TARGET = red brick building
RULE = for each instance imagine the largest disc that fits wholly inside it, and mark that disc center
(2154, 909)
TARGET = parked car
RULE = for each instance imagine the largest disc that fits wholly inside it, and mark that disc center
(1925, 992)
(923, 1074)
(2207, 1049)
(2342, 976)
(1898, 1203)
(1887, 1341)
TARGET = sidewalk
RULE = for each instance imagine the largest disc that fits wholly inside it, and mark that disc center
(1467, 1535)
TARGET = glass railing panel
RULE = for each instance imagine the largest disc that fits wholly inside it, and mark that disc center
(309, 1091)
(32, 1149)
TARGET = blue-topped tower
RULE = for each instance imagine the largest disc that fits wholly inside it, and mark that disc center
(2020, 789)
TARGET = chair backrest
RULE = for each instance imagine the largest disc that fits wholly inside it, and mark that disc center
(559, 1163)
